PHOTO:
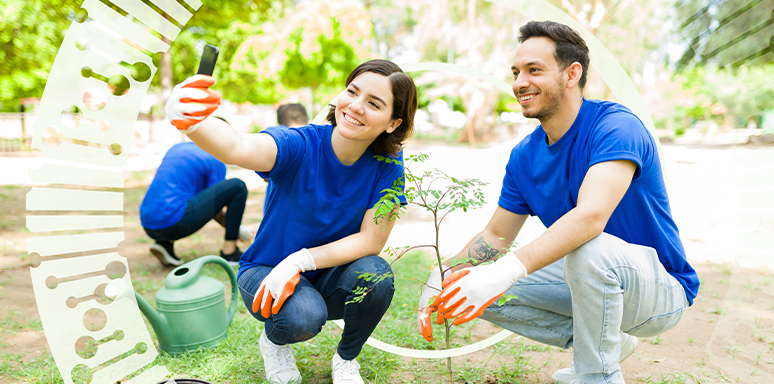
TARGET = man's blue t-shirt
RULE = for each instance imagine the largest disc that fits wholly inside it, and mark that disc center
(543, 180)
(314, 199)
(185, 171)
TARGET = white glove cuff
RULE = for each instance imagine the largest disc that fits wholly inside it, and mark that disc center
(304, 260)
(513, 265)
(190, 129)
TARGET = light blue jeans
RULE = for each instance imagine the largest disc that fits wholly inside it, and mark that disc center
(587, 298)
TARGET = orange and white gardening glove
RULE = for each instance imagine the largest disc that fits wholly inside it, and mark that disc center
(467, 293)
(280, 283)
(191, 102)
(424, 308)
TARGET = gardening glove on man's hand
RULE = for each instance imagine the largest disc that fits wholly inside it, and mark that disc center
(191, 102)
(425, 310)
(469, 292)
(280, 283)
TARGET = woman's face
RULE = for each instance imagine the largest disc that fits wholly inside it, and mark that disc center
(364, 110)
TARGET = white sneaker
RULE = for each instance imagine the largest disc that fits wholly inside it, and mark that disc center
(567, 375)
(345, 371)
(278, 362)
(246, 233)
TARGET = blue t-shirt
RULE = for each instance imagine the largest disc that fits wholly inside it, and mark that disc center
(185, 171)
(314, 199)
(268, 181)
(543, 180)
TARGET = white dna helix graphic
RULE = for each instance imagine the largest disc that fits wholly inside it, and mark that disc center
(103, 68)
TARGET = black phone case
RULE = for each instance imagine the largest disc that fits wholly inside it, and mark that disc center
(209, 58)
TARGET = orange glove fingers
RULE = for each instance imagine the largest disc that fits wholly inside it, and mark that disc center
(213, 97)
(427, 328)
(209, 108)
(440, 318)
(287, 290)
(257, 298)
(454, 277)
(266, 308)
(444, 296)
(184, 125)
(448, 310)
(203, 82)
(470, 315)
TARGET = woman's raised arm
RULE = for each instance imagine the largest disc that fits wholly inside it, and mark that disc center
(189, 108)
(255, 151)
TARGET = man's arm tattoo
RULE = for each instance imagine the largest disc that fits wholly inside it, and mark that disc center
(481, 251)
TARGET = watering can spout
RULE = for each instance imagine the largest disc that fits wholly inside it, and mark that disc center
(157, 321)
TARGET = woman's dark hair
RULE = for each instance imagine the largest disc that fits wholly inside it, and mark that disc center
(404, 104)
(570, 46)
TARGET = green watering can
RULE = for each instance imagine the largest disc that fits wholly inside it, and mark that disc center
(191, 308)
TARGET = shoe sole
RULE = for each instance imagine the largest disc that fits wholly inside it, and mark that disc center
(163, 259)
(160, 256)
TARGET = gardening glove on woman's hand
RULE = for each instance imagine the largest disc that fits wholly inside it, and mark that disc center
(280, 283)
(191, 102)
(425, 310)
(469, 292)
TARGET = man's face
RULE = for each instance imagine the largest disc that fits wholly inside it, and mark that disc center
(538, 80)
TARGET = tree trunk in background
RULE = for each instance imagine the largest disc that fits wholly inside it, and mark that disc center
(165, 71)
(479, 124)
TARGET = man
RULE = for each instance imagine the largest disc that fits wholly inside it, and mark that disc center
(610, 263)
(292, 115)
(188, 190)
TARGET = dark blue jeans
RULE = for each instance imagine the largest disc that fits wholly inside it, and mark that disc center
(304, 313)
(203, 207)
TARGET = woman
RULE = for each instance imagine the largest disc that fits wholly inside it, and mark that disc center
(318, 233)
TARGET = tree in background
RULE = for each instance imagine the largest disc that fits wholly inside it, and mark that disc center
(478, 35)
(314, 46)
(725, 33)
(729, 43)
(225, 24)
(31, 32)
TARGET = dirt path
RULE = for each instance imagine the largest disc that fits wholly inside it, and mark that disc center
(721, 199)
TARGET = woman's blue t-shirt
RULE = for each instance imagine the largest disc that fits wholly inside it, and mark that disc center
(185, 171)
(314, 199)
(543, 180)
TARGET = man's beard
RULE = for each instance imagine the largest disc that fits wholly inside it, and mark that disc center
(551, 103)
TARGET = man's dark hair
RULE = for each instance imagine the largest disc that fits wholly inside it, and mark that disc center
(292, 115)
(404, 104)
(570, 46)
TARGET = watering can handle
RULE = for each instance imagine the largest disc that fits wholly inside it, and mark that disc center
(234, 291)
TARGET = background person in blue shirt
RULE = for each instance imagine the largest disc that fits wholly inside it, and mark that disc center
(318, 232)
(611, 263)
(188, 190)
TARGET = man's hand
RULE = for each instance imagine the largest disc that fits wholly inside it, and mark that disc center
(469, 292)
(280, 283)
(424, 309)
(191, 102)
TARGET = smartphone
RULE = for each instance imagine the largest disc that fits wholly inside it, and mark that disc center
(209, 57)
